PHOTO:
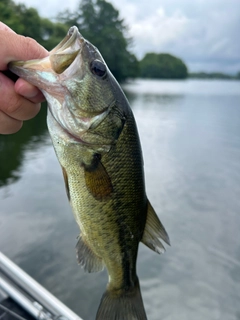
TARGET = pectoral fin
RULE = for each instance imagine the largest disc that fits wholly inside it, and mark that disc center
(153, 231)
(98, 181)
(66, 182)
(87, 258)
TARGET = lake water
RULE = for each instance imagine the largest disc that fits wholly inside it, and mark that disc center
(190, 134)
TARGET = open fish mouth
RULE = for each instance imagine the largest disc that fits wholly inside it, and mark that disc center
(44, 71)
(71, 37)
(62, 56)
(62, 71)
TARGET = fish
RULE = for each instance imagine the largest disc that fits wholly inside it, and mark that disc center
(96, 141)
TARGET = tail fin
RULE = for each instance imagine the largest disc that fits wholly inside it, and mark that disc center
(127, 306)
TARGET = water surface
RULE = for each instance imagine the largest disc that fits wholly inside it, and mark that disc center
(190, 134)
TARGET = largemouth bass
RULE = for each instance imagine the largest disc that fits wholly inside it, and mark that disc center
(96, 141)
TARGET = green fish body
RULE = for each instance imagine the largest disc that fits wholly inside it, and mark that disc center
(95, 138)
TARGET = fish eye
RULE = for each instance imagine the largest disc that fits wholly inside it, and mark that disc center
(98, 68)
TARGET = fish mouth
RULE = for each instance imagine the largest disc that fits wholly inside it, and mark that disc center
(46, 73)
(68, 41)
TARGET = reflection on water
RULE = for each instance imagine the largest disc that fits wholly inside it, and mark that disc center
(190, 134)
(12, 147)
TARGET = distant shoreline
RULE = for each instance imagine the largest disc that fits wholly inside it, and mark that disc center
(132, 80)
(213, 76)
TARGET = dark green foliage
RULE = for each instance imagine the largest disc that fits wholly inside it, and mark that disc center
(162, 66)
(99, 22)
(52, 33)
(26, 21)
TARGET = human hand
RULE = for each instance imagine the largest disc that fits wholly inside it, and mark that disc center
(19, 101)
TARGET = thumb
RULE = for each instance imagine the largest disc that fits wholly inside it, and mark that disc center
(17, 47)
(4, 27)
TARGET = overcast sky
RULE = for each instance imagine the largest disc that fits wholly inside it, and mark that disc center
(204, 33)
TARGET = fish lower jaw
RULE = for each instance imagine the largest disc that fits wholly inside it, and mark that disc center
(60, 129)
(73, 137)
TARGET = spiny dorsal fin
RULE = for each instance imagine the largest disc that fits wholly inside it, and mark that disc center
(153, 231)
(66, 182)
(87, 258)
(98, 181)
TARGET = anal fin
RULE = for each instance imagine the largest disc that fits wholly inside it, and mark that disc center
(87, 258)
(154, 231)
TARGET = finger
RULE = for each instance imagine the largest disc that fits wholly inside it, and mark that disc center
(18, 47)
(30, 92)
(4, 27)
(13, 104)
(9, 125)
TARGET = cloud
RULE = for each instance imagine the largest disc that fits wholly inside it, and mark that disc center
(159, 31)
(203, 33)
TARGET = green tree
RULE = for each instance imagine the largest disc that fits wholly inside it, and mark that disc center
(99, 22)
(162, 66)
(52, 33)
(26, 21)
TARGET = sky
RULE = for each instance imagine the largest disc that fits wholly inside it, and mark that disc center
(204, 33)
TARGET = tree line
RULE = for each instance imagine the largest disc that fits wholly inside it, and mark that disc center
(214, 75)
(97, 20)
(100, 23)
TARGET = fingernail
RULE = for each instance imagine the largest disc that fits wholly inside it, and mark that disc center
(31, 94)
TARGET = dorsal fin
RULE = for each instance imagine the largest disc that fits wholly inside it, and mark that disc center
(154, 231)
